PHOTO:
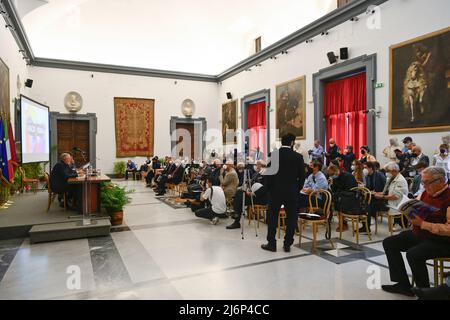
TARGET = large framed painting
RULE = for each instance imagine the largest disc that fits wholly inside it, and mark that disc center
(135, 122)
(420, 84)
(229, 122)
(290, 108)
(4, 89)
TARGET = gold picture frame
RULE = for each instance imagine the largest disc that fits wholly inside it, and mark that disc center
(229, 120)
(419, 88)
(291, 108)
(5, 102)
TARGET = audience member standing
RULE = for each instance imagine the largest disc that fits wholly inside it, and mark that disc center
(348, 157)
(285, 177)
(333, 151)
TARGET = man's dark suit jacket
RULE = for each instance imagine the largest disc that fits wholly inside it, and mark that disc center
(290, 177)
(58, 177)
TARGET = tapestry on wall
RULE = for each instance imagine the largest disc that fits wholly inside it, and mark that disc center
(420, 84)
(134, 120)
(4, 89)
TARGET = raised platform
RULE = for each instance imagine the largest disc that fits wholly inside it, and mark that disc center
(27, 210)
(69, 230)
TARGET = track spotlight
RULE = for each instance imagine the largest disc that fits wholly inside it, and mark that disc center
(284, 52)
(309, 41)
(354, 19)
(273, 58)
(9, 26)
(370, 11)
(258, 65)
(324, 33)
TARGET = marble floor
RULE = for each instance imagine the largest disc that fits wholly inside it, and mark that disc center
(164, 252)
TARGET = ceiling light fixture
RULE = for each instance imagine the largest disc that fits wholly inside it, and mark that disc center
(324, 33)
(309, 41)
(354, 19)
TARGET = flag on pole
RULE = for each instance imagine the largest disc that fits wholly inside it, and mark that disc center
(12, 144)
(8, 150)
(4, 155)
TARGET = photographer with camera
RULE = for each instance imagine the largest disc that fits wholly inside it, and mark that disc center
(317, 153)
(257, 191)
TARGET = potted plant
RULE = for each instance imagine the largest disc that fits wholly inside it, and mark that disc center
(113, 198)
(119, 169)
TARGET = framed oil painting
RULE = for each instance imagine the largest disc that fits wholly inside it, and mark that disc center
(229, 122)
(420, 84)
(290, 108)
(4, 89)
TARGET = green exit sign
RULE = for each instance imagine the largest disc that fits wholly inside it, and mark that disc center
(379, 85)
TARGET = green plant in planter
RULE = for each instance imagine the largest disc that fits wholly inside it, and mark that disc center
(113, 197)
(17, 182)
(33, 170)
(119, 168)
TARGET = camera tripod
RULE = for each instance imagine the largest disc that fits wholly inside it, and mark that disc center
(246, 186)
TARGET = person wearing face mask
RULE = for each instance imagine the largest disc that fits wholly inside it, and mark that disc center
(333, 151)
(396, 187)
(229, 179)
(348, 157)
(375, 182)
(442, 159)
(366, 156)
(417, 156)
(416, 187)
(406, 144)
(427, 240)
(342, 182)
(257, 193)
(315, 181)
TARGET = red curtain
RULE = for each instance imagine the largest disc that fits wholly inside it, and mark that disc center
(345, 100)
(256, 123)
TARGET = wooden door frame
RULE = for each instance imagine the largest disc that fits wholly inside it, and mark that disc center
(55, 116)
(196, 122)
(366, 63)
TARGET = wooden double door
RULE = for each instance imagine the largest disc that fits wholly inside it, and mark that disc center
(182, 130)
(73, 135)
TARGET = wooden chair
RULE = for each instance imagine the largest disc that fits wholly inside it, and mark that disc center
(356, 218)
(28, 181)
(326, 195)
(258, 212)
(170, 188)
(439, 270)
(391, 215)
(51, 194)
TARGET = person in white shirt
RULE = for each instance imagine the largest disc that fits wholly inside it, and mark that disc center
(443, 159)
(216, 197)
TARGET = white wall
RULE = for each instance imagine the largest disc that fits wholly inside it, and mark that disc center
(51, 85)
(9, 53)
(400, 20)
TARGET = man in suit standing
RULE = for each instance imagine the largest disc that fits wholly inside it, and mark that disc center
(285, 178)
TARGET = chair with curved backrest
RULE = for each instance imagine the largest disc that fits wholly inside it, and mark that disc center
(52, 195)
(356, 218)
(315, 223)
(391, 215)
(257, 212)
(28, 181)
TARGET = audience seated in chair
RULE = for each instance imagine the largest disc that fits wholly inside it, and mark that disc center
(229, 179)
(315, 181)
(131, 167)
(396, 187)
(427, 240)
(151, 171)
(59, 177)
(375, 182)
(341, 182)
(257, 194)
(174, 175)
